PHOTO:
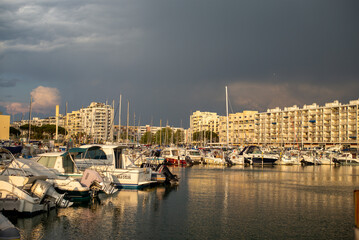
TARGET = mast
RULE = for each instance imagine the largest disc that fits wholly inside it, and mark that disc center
(134, 126)
(160, 132)
(138, 129)
(57, 123)
(112, 135)
(119, 119)
(28, 140)
(227, 115)
(166, 133)
(66, 121)
(128, 119)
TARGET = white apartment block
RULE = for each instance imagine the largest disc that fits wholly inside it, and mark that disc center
(73, 124)
(97, 120)
(204, 121)
(240, 128)
(35, 121)
(312, 125)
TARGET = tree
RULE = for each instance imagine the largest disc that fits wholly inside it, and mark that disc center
(51, 129)
(147, 138)
(178, 137)
(164, 136)
(198, 136)
(35, 133)
(14, 132)
(41, 132)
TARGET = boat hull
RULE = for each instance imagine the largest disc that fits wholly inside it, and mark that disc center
(264, 161)
(174, 161)
(75, 196)
(345, 161)
(136, 178)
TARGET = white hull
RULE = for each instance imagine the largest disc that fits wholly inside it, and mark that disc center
(13, 198)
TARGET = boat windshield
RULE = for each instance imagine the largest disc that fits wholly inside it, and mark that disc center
(254, 150)
(166, 153)
(47, 161)
(96, 154)
(174, 152)
(194, 153)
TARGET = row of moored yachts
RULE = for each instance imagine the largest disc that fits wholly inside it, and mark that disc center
(251, 155)
(60, 179)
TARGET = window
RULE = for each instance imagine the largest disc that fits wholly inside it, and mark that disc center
(47, 161)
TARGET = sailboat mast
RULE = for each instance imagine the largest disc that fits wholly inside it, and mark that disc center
(119, 119)
(160, 132)
(30, 119)
(57, 123)
(66, 121)
(112, 135)
(128, 119)
(227, 116)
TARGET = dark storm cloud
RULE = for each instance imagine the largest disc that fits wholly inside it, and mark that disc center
(8, 83)
(170, 58)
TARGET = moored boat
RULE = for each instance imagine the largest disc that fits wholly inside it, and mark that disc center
(64, 165)
(346, 158)
(255, 156)
(172, 156)
(7, 229)
(117, 163)
(29, 195)
(309, 158)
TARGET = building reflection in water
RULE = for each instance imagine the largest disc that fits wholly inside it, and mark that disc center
(109, 217)
(296, 198)
(281, 202)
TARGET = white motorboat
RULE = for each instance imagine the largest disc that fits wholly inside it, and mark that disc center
(194, 155)
(255, 156)
(345, 158)
(214, 157)
(235, 157)
(75, 191)
(290, 158)
(174, 156)
(64, 166)
(29, 195)
(115, 162)
(309, 158)
(7, 229)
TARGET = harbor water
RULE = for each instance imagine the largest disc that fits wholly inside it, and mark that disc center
(216, 202)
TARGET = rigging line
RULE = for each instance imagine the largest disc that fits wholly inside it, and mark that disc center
(113, 119)
(230, 105)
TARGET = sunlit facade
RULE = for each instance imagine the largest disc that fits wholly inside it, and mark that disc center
(240, 128)
(4, 127)
(313, 125)
(204, 121)
(97, 120)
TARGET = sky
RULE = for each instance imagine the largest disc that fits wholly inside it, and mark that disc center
(169, 58)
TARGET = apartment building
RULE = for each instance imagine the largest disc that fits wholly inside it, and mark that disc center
(241, 128)
(97, 121)
(36, 121)
(313, 125)
(203, 121)
(4, 127)
(73, 124)
(200, 121)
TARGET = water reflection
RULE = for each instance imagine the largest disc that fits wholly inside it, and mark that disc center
(110, 217)
(216, 202)
(279, 202)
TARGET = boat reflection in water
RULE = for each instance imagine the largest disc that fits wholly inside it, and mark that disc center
(110, 217)
(217, 202)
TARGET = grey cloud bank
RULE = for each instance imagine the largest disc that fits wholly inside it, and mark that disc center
(170, 58)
